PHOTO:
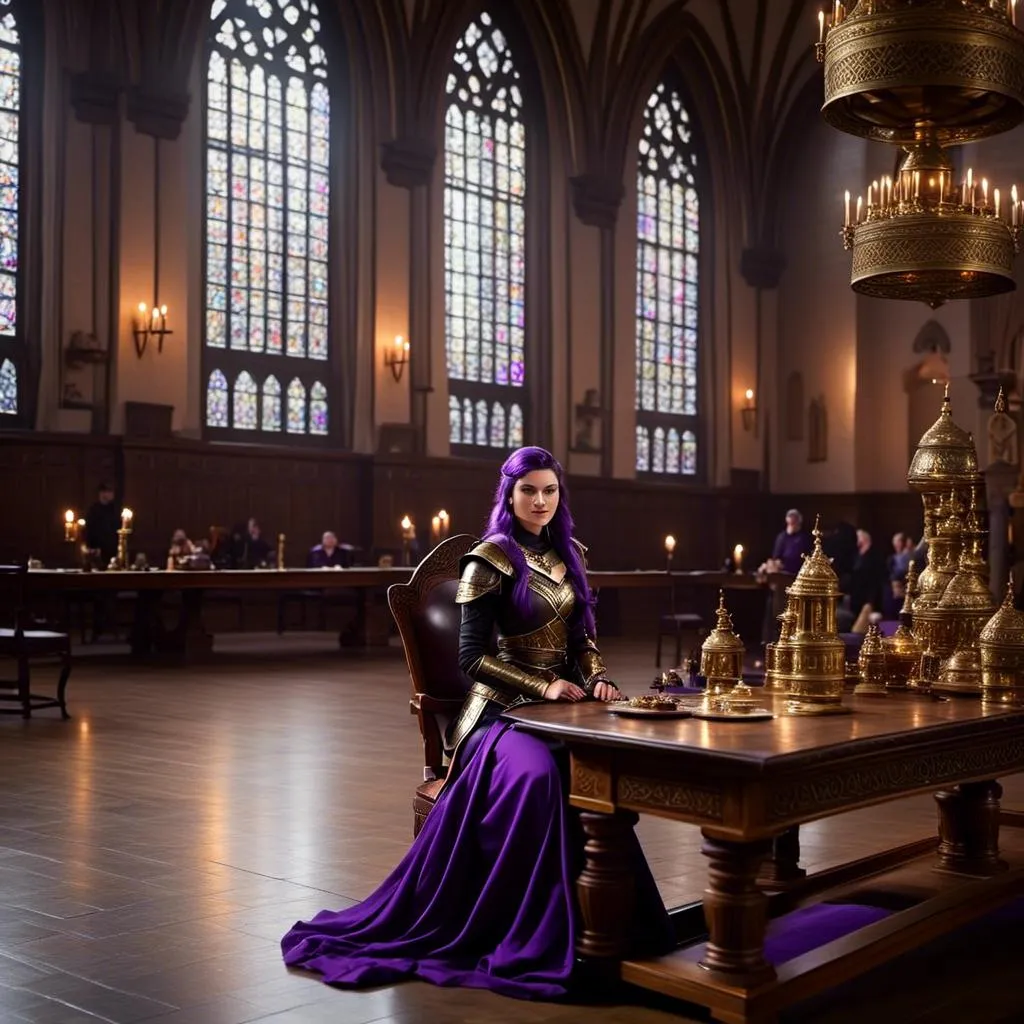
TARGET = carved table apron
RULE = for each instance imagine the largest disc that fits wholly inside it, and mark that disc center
(748, 786)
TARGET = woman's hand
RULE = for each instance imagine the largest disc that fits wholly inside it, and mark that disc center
(562, 689)
(607, 691)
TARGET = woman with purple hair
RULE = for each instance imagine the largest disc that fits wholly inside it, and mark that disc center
(485, 896)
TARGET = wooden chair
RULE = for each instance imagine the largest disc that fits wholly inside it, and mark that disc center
(677, 624)
(428, 622)
(23, 644)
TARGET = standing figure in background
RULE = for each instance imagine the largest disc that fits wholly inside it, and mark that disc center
(870, 573)
(485, 897)
(791, 545)
(101, 524)
(249, 549)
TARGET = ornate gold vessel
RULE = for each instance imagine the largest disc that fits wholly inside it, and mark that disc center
(813, 680)
(903, 650)
(1002, 655)
(945, 457)
(966, 605)
(777, 657)
(871, 663)
(721, 655)
(896, 69)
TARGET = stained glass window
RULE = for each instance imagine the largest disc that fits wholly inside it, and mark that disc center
(217, 400)
(11, 354)
(271, 417)
(268, 121)
(318, 409)
(296, 407)
(484, 236)
(668, 241)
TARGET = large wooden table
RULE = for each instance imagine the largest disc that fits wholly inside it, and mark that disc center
(371, 625)
(748, 786)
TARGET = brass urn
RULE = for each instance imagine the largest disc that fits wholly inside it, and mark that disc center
(871, 664)
(966, 606)
(1002, 655)
(903, 650)
(777, 654)
(813, 679)
(721, 655)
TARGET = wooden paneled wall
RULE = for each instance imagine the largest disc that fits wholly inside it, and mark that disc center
(194, 484)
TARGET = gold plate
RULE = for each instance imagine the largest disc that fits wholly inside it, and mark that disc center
(616, 708)
(758, 715)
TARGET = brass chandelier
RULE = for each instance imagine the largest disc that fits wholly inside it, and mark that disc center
(926, 75)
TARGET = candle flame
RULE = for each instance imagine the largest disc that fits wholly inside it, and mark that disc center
(406, 523)
(443, 516)
(69, 517)
(670, 543)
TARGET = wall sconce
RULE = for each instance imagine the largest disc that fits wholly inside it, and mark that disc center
(397, 357)
(150, 325)
(749, 411)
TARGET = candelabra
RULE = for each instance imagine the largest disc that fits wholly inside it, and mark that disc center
(924, 76)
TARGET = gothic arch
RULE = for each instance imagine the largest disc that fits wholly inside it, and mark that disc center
(541, 30)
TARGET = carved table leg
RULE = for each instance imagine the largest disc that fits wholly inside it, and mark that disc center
(782, 866)
(735, 910)
(606, 887)
(969, 829)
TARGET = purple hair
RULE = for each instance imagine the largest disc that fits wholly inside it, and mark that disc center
(560, 529)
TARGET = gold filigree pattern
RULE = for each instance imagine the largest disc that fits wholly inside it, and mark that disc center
(817, 791)
(542, 648)
(686, 798)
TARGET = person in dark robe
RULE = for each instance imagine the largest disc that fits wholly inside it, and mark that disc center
(870, 573)
(791, 544)
(485, 897)
(248, 548)
(102, 522)
(329, 554)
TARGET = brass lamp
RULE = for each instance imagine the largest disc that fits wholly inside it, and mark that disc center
(871, 663)
(903, 650)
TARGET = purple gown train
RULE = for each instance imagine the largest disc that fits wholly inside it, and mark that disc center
(485, 896)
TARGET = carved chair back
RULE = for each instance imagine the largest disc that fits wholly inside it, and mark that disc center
(428, 622)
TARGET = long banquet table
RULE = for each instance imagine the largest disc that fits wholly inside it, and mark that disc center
(748, 785)
(371, 624)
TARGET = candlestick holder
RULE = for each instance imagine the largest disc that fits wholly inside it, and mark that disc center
(122, 546)
(280, 551)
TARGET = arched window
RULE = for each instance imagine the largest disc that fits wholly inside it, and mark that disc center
(268, 127)
(667, 317)
(485, 242)
(12, 355)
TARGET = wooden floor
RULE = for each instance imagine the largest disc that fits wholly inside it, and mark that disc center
(154, 850)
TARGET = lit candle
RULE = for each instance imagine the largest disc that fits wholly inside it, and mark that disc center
(1013, 13)
(408, 529)
(846, 205)
(942, 182)
(142, 309)
(821, 26)
(126, 518)
(435, 529)
(446, 522)
(995, 196)
(670, 544)
(737, 557)
(860, 201)
(1013, 204)
(984, 192)
(69, 525)
(917, 184)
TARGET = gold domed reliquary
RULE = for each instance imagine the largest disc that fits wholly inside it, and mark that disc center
(903, 650)
(816, 669)
(1002, 655)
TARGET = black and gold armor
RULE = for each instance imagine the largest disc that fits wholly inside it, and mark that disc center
(533, 649)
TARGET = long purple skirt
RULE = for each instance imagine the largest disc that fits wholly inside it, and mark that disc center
(484, 897)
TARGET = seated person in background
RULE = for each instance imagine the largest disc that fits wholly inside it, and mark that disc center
(181, 546)
(249, 549)
(903, 553)
(101, 524)
(790, 546)
(328, 553)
